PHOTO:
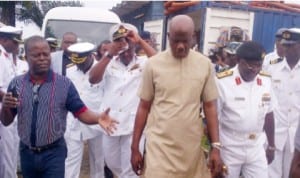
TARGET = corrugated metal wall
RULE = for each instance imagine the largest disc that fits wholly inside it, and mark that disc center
(152, 11)
(266, 23)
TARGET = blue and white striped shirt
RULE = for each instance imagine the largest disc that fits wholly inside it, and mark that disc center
(56, 96)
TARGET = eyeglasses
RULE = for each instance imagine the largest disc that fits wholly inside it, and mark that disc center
(253, 66)
(35, 90)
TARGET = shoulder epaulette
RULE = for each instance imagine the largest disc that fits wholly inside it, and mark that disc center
(263, 73)
(70, 65)
(225, 73)
(275, 61)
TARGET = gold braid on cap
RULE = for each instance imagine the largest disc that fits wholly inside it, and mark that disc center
(122, 30)
(76, 59)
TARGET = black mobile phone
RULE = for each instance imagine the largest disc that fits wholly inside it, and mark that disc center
(15, 92)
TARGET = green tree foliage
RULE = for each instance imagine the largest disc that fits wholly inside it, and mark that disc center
(33, 11)
(8, 12)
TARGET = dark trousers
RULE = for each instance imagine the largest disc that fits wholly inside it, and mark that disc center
(48, 163)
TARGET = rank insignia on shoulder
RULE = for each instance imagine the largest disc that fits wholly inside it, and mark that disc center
(263, 73)
(70, 65)
(225, 73)
(275, 61)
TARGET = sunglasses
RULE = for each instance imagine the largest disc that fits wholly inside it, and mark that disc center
(35, 90)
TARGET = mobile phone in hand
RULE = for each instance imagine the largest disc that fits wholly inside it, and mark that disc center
(15, 93)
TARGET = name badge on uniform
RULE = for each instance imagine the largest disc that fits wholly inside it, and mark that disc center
(239, 98)
(266, 97)
(135, 66)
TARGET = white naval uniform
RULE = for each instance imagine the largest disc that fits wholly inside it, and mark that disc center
(9, 140)
(242, 107)
(57, 61)
(120, 85)
(270, 57)
(286, 86)
(77, 132)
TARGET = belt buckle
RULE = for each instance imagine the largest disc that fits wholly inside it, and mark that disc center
(36, 149)
(252, 136)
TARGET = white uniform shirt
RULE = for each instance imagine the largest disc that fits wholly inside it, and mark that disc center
(287, 90)
(8, 70)
(57, 61)
(120, 85)
(270, 57)
(242, 106)
(91, 95)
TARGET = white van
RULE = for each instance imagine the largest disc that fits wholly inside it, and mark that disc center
(89, 24)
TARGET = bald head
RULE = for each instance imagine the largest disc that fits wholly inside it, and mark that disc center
(182, 23)
(68, 39)
(181, 29)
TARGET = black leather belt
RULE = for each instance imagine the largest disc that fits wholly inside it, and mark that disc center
(40, 149)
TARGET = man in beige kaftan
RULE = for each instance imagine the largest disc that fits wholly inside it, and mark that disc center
(174, 84)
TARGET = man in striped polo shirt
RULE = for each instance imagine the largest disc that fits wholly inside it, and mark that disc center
(42, 99)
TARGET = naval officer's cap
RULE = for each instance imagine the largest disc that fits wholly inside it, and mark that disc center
(79, 52)
(12, 33)
(251, 51)
(290, 36)
(279, 32)
(52, 42)
(121, 30)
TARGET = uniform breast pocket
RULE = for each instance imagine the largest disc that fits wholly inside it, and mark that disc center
(277, 85)
(297, 94)
(235, 108)
(135, 73)
(236, 102)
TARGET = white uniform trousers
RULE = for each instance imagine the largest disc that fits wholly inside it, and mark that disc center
(117, 154)
(280, 167)
(250, 160)
(75, 154)
(9, 150)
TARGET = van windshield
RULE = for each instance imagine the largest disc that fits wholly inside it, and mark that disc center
(93, 32)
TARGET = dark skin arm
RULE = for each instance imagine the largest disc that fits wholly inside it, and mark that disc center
(215, 163)
(295, 167)
(8, 102)
(137, 159)
(134, 37)
(88, 117)
(96, 73)
(103, 119)
(269, 129)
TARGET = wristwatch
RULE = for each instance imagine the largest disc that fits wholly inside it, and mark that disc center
(109, 56)
(271, 148)
(216, 145)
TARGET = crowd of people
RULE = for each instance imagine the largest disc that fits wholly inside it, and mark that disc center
(144, 113)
